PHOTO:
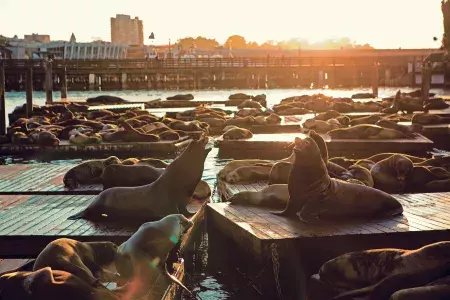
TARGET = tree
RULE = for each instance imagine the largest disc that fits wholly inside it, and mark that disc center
(236, 42)
(200, 42)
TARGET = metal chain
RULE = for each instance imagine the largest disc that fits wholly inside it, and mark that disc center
(276, 268)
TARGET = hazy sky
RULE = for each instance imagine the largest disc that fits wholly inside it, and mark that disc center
(381, 23)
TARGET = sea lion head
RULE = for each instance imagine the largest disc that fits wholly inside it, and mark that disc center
(104, 252)
(402, 166)
(320, 142)
(174, 226)
(111, 160)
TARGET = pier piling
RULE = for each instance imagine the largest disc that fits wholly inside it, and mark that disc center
(48, 82)
(29, 90)
(2, 99)
(64, 84)
(375, 78)
(426, 81)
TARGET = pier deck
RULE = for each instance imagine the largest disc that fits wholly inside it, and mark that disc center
(66, 150)
(29, 222)
(275, 146)
(303, 248)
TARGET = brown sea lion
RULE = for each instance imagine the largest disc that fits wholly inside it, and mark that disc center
(154, 162)
(133, 135)
(87, 261)
(372, 119)
(252, 173)
(438, 186)
(130, 161)
(148, 251)
(431, 292)
(380, 156)
(421, 176)
(249, 104)
(273, 119)
(408, 130)
(169, 135)
(325, 116)
(88, 172)
(429, 119)
(134, 175)
(83, 139)
(234, 164)
(50, 284)
(44, 138)
(365, 268)
(169, 194)
(343, 161)
(384, 289)
(365, 163)
(359, 173)
(273, 196)
(319, 126)
(318, 198)
(279, 174)
(237, 134)
(366, 132)
(390, 174)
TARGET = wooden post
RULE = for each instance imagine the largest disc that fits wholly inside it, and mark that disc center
(29, 90)
(2, 98)
(413, 83)
(48, 82)
(375, 79)
(64, 84)
(426, 81)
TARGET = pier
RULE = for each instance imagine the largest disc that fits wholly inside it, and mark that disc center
(332, 68)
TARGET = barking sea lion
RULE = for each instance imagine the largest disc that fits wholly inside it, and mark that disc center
(87, 261)
(317, 197)
(144, 255)
(169, 194)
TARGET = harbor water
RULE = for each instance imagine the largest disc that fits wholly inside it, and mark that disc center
(211, 274)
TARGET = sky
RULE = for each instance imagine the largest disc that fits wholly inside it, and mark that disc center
(380, 23)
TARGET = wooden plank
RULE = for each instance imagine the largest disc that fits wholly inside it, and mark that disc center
(29, 222)
(66, 149)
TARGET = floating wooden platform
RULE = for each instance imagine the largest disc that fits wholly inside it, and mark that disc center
(275, 146)
(40, 179)
(303, 248)
(117, 107)
(29, 222)
(67, 150)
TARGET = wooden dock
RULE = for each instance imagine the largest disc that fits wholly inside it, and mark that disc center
(65, 149)
(29, 222)
(303, 248)
(275, 146)
(40, 179)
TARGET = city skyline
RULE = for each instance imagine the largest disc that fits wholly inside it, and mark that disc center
(386, 24)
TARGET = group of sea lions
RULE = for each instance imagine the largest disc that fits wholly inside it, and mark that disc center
(73, 122)
(340, 126)
(389, 274)
(71, 269)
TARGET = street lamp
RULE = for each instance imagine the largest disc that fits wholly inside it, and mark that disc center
(152, 38)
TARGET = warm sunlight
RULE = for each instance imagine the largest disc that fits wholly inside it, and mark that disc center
(382, 23)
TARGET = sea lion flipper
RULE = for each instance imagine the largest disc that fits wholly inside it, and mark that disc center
(77, 216)
(175, 280)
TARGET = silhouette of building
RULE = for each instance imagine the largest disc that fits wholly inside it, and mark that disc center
(37, 38)
(73, 39)
(128, 31)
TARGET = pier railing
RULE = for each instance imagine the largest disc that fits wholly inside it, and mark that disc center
(209, 63)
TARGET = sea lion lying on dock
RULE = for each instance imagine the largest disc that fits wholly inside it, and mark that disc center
(320, 126)
(234, 164)
(251, 173)
(88, 172)
(429, 119)
(390, 174)
(87, 261)
(318, 198)
(273, 196)
(146, 253)
(169, 194)
(134, 175)
(366, 132)
(365, 268)
(237, 133)
(50, 284)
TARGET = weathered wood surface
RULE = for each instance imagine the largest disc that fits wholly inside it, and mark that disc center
(29, 222)
(67, 150)
(275, 146)
(40, 179)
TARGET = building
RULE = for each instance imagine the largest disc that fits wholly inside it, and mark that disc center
(37, 38)
(128, 31)
(85, 51)
(5, 53)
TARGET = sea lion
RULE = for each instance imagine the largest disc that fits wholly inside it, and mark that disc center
(181, 97)
(169, 135)
(325, 116)
(87, 261)
(372, 119)
(439, 161)
(319, 126)
(359, 173)
(237, 134)
(396, 282)
(390, 174)
(234, 164)
(88, 172)
(226, 128)
(438, 186)
(83, 139)
(432, 292)
(279, 174)
(366, 132)
(251, 173)
(421, 176)
(407, 130)
(365, 163)
(133, 175)
(169, 194)
(429, 119)
(365, 268)
(130, 161)
(154, 162)
(202, 191)
(44, 138)
(273, 119)
(249, 104)
(343, 161)
(380, 156)
(133, 135)
(148, 250)
(50, 284)
(318, 198)
(273, 196)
